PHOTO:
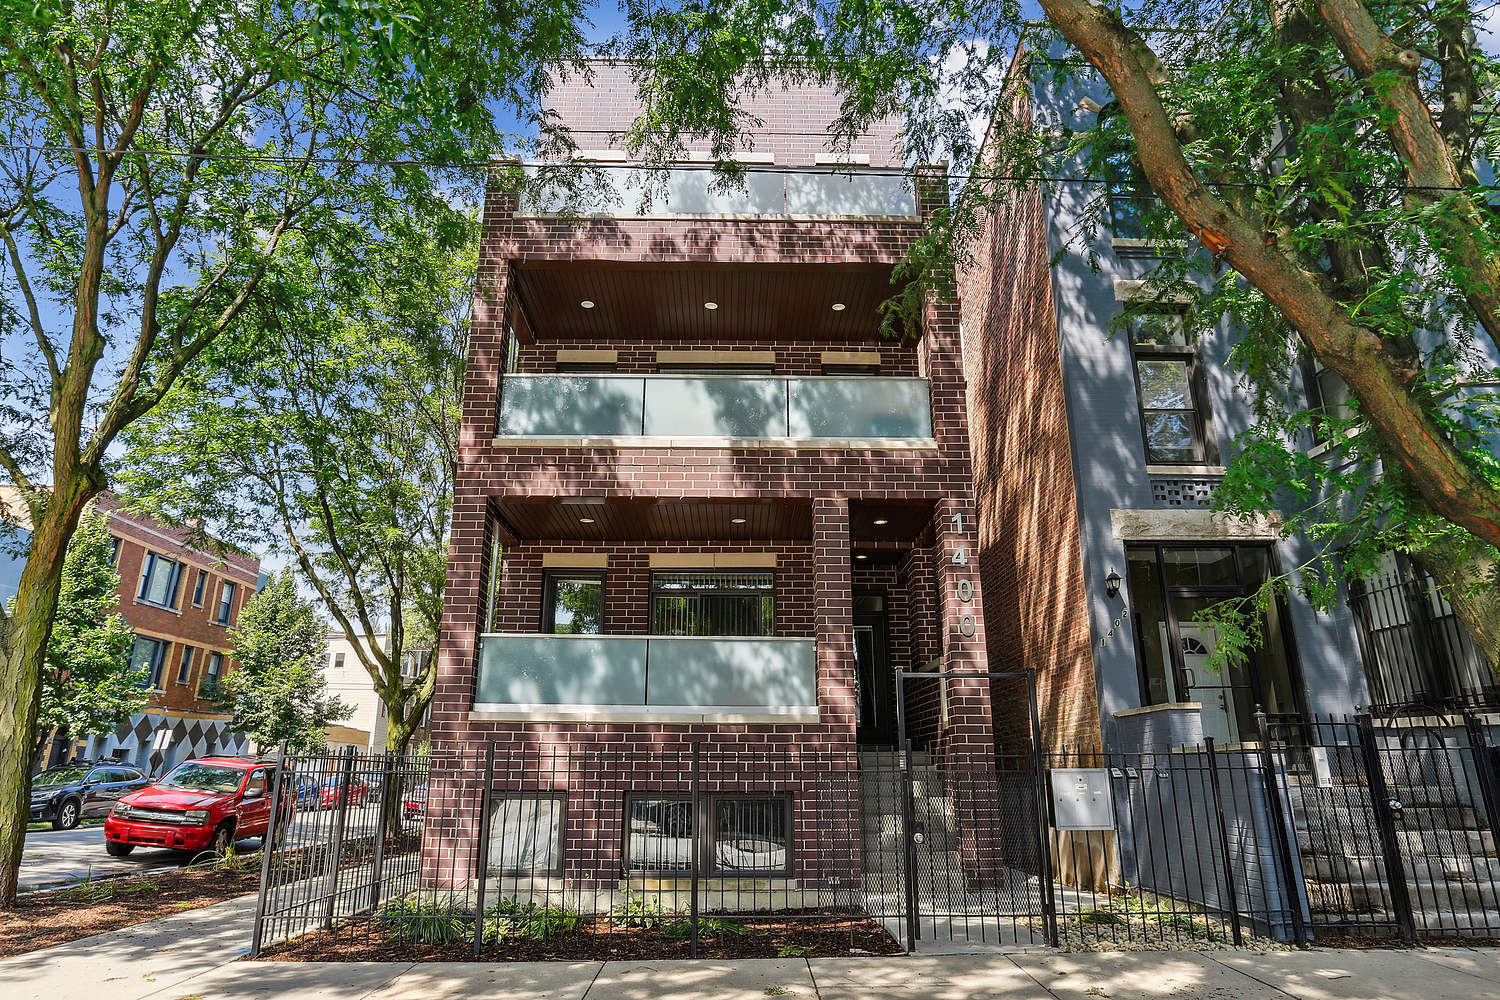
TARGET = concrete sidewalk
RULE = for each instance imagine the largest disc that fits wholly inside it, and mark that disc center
(195, 956)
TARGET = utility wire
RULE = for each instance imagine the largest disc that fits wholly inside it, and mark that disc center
(839, 169)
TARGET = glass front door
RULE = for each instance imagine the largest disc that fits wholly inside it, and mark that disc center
(874, 684)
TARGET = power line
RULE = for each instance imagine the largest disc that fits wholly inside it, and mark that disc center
(839, 169)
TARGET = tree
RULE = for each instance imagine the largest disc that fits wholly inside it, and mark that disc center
(88, 686)
(278, 695)
(335, 443)
(1321, 170)
(157, 157)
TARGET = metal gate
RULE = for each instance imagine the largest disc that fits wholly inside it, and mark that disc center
(973, 821)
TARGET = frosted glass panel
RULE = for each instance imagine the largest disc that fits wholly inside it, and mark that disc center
(841, 194)
(861, 407)
(562, 404)
(732, 672)
(716, 407)
(562, 670)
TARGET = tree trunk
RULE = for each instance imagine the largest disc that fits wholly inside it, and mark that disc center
(398, 734)
(23, 653)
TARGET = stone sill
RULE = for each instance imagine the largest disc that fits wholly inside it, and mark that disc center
(1186, 470)
(794, 444)
(1174, 706)
(588, 714)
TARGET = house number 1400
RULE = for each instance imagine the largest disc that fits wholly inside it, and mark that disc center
(964, 584)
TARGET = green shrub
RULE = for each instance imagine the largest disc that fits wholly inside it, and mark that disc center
(528, 920)
(426, 921)
(680, 929)
(638, 910)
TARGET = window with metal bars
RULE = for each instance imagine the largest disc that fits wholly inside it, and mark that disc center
(713, 603)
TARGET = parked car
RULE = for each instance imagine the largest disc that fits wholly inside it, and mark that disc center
(414, 803)
(334, 793)
(204, 804)
(308, 791)
(73, 792)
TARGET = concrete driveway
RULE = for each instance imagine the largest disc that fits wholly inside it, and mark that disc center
(62, 857)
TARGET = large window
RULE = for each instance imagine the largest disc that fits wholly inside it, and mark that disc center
(1170, 587)
(706, 604)
(211, 672)
(526, 835)
(744, 834)
(159, 580)
(1167, 384)
(148, 654)
(226, 602)
(573, 604)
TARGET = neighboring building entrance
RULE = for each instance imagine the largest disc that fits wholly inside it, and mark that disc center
(875, 686)
(1170, 586)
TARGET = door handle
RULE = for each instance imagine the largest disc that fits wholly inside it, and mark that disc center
(1190, 677)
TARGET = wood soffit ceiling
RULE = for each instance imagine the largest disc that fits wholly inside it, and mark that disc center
(666, 302)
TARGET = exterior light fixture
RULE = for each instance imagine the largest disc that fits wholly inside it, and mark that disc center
(736, 520)
(1112, 585)
(882, 520)
(710, 306)
(587, 303)
(860, 555)
(838, 307)
(585, 520)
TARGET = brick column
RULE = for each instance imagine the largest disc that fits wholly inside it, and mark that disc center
(834, 616)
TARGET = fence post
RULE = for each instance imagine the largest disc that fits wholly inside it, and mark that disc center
(1293, 886)
(482, 849)
(1385, 822)
(269, 845)
(908, 858)
(1044, 847)
(336, 844)
(1484, 767)
(1234, 899)
(387, 769)
(697, 841)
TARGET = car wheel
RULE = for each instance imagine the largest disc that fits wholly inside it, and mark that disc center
(223, 839)
(68, 815)
(118, 850)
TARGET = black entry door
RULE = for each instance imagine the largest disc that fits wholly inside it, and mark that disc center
(872, 670)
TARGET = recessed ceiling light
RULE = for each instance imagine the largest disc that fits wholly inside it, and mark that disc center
(585, 520)
(587, 303)
(861, 555)
(736, 520)
(710, 306)
(838, 307)
(882, 520)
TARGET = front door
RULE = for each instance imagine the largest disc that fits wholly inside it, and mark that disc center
(875, 686)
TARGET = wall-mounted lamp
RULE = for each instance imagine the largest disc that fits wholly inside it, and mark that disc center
(1112, 585)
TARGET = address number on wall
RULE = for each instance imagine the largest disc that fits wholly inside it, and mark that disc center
(964, 584)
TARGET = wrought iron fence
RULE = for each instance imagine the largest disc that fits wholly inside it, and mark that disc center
(1319, 829)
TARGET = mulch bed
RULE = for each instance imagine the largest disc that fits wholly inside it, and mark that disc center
(599, 938)
(43, 919)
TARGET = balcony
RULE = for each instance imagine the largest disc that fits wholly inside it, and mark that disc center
(646, 676)
(820, 411)
(620, 191)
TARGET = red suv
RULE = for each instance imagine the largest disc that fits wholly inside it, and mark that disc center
(204, 804)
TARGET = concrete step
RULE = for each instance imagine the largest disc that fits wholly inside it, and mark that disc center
(1426, 895)
(1358, 815)
(1345, 868)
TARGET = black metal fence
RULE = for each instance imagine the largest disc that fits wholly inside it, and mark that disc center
(1316, 830)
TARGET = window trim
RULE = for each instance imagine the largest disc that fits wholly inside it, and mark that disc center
(561, 845)
(704, 833)
(550, 578)
(1200, 422)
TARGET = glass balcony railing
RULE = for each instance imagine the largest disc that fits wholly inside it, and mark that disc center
(669, 673)
(731, 406)
(626, 192)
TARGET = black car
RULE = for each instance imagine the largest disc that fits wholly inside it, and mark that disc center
(72, 792)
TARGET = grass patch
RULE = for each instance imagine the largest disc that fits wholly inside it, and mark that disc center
(39, 827)
(511, 918)
(708, 927)
(105, 890)
(425, 921)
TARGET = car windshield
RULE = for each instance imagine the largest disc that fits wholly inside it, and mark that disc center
(60, 776)
(203, 778)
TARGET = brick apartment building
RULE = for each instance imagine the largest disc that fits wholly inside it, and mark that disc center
(699, 496)
(1095, 460)
(180, 600)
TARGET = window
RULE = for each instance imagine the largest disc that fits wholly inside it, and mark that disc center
(526, 835)
(185, 665)
(226, 602)
(199, 588)
(1170, 586)
(744, 834)
(1167, 385)
(159, 581)
(258, 781)
(211, 672)
(1130, 196)
(147, 654)
(573, 604)
(338, 660)
(1328, 398)
(114, 550)
(713, 604)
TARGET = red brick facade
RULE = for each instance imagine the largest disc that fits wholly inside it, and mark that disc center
(1030, 548)
(934, 618)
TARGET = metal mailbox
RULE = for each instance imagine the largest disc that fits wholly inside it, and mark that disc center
(1082, 799)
